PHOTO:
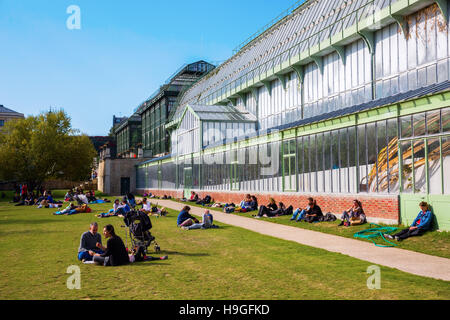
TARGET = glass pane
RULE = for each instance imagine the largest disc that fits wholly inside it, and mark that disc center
(372, 157)
(319, 167)
(293, 174)
(406, 128)
(382, 156)
(327, 163)
(434, 166)
(419, 167)
(287, 180)
(300, 163)
(313, 162)
(406, 151)
(445, 119)
(393, 163)
(343, 159)
(433, 122)
(307, 169)
(362, 158)
(419, 124)
(352, 159)
(446, 163)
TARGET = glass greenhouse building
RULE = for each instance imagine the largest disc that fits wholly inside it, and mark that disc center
(338, 100)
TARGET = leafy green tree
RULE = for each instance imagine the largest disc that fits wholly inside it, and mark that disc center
(43, 147)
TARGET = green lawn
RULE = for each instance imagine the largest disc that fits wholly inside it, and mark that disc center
(36, 248)
(432, 243)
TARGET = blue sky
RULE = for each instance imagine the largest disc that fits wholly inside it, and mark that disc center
(122, 53)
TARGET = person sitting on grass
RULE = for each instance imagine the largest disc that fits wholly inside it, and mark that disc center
(283, 211)
(311, 213)
(131, 200)
(89, 242)
(185, 219)
(69, 196)
(269, 210)
(194, 197)
(91, 197)
(254, 204)
(420, 225)
(111, 213)
(203, 202)
(246, 203)
(123, 208)
(16, 198)
(146, 206)
(115, 253)
(207, 222)
(30, 199)
(353, 216)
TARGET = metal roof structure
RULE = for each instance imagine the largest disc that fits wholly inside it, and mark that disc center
(186, 75)
(308, 25)
(401, 97)
(223, 114)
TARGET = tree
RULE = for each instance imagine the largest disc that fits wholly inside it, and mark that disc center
(43, 147)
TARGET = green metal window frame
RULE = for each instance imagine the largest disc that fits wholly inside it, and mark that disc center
(234, 171)
(289, 153)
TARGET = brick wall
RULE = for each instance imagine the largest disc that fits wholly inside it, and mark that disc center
(378, 208)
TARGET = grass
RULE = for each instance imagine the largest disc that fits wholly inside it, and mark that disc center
(432, 243)
(36, 248)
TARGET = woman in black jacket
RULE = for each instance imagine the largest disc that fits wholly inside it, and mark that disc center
(269, 211)
(115, 251)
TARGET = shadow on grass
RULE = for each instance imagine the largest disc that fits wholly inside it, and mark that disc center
(28, 222)
(167, 252)
(22, 232)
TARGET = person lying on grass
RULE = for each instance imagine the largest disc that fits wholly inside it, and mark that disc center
(46, 204)
(89, 242)
(354, 216)
(310, 214)
(115, 253)
(420, 225)
(269, 210)
(207, 222)
(185, 219)
(73, 209)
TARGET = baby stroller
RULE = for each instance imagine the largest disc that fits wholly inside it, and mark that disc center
(139, 225)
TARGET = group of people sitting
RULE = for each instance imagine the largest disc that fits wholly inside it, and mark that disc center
(248, 204)
(186, 221)
(195, 199)
(81, 197)
(128, 203)
(115, 253)
(45, 200)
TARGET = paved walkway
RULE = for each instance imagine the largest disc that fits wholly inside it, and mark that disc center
(404, 260)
